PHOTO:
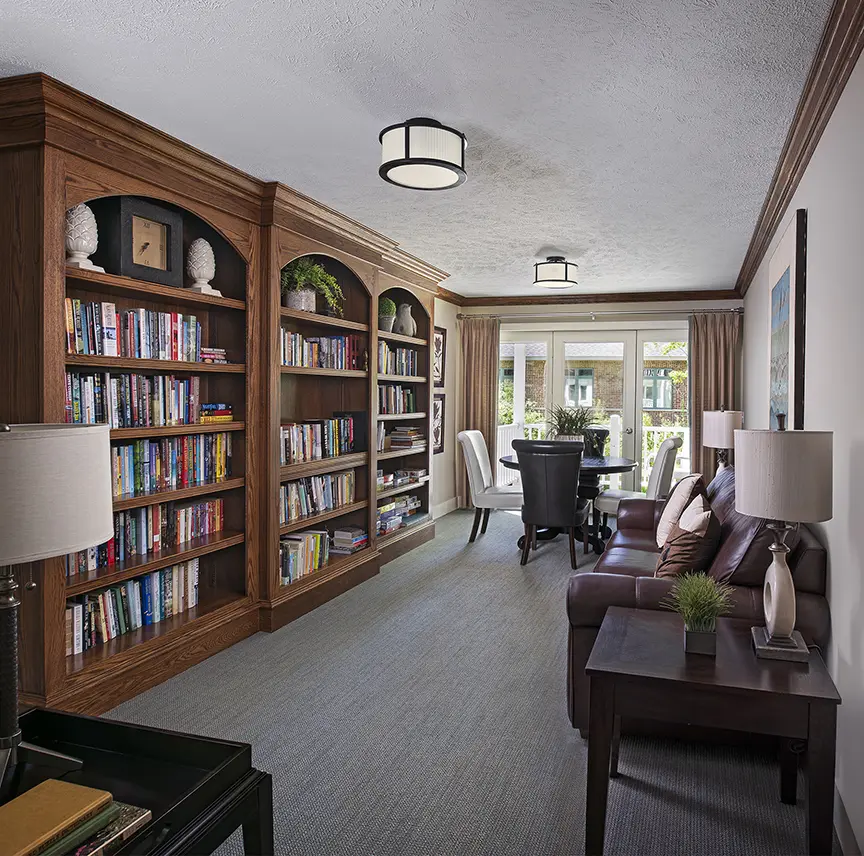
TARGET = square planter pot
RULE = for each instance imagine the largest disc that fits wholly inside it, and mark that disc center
(302, 299)
(700, 642)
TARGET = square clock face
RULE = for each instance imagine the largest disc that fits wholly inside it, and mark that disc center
(149, 243)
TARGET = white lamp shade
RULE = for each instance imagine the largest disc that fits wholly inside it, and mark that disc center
(784, 475)
(555, 272)
(719, 427)
(55, 490)
(422, 154)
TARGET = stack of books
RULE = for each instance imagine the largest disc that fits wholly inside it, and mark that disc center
(302, 553)
(393, 398)
(99, 329)
(315, 495)
(384, 480)
(397, 361)
(402, 511)
(213, 355)
(323, 352)
(92, 619)
(348, 540)
(148, 466)
(216, 412)
(315, 440)
(407, 437)
(55, 818)
(411, 475)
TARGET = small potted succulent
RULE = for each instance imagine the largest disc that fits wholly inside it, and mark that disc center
(386, 314)
(700, 600)
(569, 423)
(302, 279)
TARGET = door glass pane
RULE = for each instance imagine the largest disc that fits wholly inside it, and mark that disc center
(664, 403)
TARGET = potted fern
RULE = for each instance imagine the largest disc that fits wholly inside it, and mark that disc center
(700, 600)
(386, 314)
(568, 423)
(302, 279)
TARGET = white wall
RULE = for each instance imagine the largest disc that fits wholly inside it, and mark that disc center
(832, 191)
(444, 465)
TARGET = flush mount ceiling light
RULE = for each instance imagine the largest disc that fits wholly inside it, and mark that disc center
(422, 154)
(555, 272)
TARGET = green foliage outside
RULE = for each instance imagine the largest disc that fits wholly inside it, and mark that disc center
(534, 412)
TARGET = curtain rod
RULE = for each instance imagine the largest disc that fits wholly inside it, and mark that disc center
(597, 312)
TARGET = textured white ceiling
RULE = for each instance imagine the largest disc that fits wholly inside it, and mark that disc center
(637, 137)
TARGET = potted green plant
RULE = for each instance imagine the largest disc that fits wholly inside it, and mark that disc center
(568, 423)
(302, 279)
(386, 314)
(700, 600)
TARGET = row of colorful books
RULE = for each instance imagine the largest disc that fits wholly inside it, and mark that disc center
(316, 439)
(398, 361)
(170, 463)
(92, 619)
(149, 530)
(323, 352)
(302, 553)
(395, 398)
(99, 329)
(315, 495)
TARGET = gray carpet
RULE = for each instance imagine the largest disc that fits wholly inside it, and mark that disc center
(423, 713)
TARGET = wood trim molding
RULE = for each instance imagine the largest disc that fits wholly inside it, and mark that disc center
(836, 56)
(612, 297)
(450, 296)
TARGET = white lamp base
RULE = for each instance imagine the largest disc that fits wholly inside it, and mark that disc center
(794, 650)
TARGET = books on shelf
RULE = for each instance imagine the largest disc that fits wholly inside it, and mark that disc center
(94, 618)
(316, 439)
(302, 553)
(109, 838)
(384, 480)
(407, 437)
(315, 495)
(147, 466)
(393, 398)
(149, 530)
(411, 475)
(214, 413)
(213, 355)
(348, 540)
(323, 352)
(98, 329)
(397, 361)
(399, 512)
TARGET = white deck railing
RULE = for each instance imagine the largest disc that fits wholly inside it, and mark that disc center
(506, 435)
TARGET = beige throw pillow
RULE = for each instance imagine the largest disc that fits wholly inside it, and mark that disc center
(681, 496)
(693, 541)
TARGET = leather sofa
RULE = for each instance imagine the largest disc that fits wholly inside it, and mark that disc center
(624, 576)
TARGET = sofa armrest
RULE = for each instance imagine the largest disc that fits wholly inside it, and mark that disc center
(639, 514)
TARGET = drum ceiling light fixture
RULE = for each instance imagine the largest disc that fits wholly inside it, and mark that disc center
(422, 154)
(555, 272)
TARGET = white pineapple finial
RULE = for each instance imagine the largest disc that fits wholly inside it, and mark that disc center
(201, 267)
(82, 238)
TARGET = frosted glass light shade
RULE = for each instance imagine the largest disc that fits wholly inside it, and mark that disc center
(555, 272)
(785, 475)
(719, 427)
(422, 154)
(55, 490)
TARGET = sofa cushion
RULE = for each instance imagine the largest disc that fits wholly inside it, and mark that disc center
(692, 543)
(635, 539)
(679, 499)
(627, 561)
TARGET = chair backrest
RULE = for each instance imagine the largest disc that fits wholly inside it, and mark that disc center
(550, 478)
(476, 461)
(660, 479)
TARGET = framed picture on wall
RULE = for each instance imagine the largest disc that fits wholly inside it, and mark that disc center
(439, 355)
(787, 275)
(438, 423)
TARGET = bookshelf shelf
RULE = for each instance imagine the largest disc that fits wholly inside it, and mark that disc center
(302, 370)
(325, 465)
(394, 491)
(333, 568)
(401, 453)
(407, 340)
(391, 378)
(108, 283)
(397, 535)
(323, 320)
(172, 430)
(122, 571)
(312, 520)
(390, 417)
(138, 365)
(125, 503)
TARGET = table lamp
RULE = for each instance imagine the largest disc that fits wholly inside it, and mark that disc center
(718, 432)
(56, 499)
(783, 476)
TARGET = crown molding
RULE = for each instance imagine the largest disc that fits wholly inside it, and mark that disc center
(401, 264)
(609, 297)
(450, 296)
(836, 56)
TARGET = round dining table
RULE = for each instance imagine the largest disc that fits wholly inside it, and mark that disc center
(589, 488)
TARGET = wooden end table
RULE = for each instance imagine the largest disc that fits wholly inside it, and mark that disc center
(638, 668)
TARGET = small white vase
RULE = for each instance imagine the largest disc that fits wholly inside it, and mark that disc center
(302, 299)
(82, 238)
(385, 323)
(201, 267)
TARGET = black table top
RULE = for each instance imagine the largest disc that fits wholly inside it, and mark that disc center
(590, 466)
(642, 643)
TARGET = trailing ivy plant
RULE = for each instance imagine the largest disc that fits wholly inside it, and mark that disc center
(304, 273)
(700, 600)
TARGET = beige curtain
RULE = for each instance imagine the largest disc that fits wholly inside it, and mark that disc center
(479, 339)
(714, 340)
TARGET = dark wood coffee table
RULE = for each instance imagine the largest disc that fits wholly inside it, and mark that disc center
(638, 668)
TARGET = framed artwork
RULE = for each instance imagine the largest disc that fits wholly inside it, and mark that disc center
(787, 275)
(438, 423)
(439, 355)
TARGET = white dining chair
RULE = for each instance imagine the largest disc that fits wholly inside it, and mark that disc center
(485, 495)
(659, 482)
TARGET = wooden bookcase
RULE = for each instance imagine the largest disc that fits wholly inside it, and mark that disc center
(59, 147)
